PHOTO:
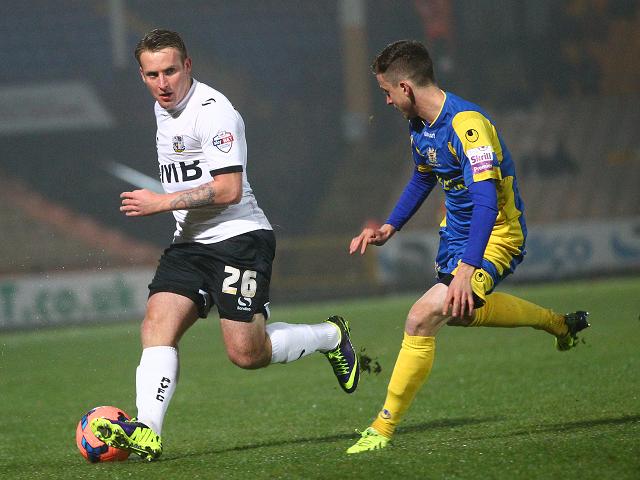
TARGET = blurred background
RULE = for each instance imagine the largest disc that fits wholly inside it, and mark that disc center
(326, 155)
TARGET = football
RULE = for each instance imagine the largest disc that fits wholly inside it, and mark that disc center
(90, 447)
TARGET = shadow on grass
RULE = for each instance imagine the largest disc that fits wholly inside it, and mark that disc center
(433, 425)
(563, 427)
(425, 426)
(578, 425)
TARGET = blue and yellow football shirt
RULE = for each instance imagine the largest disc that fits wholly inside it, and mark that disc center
(459, 148)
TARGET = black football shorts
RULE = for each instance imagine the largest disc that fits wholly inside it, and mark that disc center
(233, 274)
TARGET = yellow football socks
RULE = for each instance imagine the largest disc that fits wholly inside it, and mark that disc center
(503, 310)
(410, 372)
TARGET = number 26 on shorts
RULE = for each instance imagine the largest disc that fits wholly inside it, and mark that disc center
(247, 285)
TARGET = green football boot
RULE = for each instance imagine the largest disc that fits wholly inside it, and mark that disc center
(129, 435)
(343, 358)
(575, 322)
(370, 440)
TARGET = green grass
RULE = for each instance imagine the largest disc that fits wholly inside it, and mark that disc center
(500, 403)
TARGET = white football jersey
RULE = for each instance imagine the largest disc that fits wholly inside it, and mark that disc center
(202, 137)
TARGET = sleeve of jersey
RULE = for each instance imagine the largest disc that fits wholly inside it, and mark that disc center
(483, 217)
(478, 146)
(416, 191)
(222, 136)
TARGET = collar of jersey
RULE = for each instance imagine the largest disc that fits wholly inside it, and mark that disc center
(441, 112)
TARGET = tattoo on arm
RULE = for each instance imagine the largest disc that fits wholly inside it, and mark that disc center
(201, 196)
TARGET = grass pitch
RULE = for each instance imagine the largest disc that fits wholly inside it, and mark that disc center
(500, 403)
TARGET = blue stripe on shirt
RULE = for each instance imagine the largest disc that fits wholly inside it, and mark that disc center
(485, 210)
(416, 191)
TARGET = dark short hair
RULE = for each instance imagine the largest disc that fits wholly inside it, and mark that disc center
(159, 39)
(408, 58)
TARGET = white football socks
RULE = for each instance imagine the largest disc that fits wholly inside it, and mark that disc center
(290, 342)
(156, 380)
(157, 374)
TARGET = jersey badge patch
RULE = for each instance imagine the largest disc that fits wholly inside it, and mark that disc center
(223, 141)
(481, 158)
(472, 135)
(178, 144)
(432, 156)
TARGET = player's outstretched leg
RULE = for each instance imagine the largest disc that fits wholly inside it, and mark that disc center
(343, 358)
(370, 439)
(576, 322)
(130, 435)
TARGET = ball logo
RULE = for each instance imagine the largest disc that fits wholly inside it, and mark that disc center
(472, 135)
(223, 141)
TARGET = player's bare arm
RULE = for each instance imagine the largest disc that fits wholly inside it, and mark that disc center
(459, 299)
(195, 198)
(371, 236)
(225, 189)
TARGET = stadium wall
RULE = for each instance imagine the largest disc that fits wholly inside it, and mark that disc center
(46, 300)
(320, 268)
(559, 251)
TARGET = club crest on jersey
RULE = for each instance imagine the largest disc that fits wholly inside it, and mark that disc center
(178, 144)
(431, 155)
(223, 141)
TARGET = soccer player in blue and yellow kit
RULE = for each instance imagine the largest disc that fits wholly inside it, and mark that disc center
(482, 237)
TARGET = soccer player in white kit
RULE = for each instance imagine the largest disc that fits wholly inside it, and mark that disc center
(221, 254)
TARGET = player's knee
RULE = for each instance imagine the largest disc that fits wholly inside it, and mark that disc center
(148, 325)
(423, 319)
(247, 359)
(151, 331)
(157, 330)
